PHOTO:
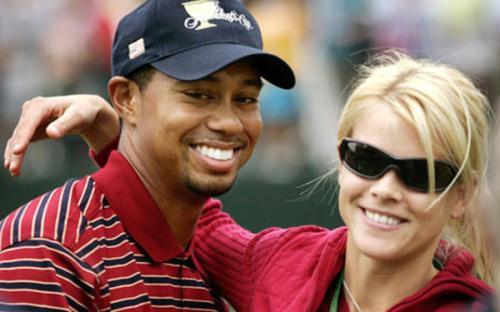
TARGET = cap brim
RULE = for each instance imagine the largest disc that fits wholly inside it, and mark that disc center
(200, 62)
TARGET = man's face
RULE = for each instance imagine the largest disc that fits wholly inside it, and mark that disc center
(194, 136)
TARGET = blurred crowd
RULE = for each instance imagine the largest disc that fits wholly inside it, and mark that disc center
(63, 46)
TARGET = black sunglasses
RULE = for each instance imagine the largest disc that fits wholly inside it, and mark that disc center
(369, 162)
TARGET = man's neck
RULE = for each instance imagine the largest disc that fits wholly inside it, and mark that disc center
(182, 220)
(180, 209)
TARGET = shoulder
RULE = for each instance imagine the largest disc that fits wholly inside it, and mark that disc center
(458, 266)
(454, 287)
(212, 213)
(60, 215)
(318, 235)
(305, 242)
(213, 216)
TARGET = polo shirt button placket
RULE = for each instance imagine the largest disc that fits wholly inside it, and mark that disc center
(181, 277)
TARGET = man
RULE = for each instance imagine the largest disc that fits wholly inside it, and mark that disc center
(186, 81)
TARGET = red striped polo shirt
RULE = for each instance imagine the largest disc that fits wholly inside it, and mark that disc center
(98, 244)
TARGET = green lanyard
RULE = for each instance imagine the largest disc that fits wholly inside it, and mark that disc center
(334, 306)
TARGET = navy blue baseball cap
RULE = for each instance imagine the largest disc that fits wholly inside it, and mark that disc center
(192, 39)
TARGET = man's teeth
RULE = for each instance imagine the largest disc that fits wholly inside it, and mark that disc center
(215, 153)
(382, 219)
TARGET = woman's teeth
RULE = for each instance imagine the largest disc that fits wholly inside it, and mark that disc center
(382, 219)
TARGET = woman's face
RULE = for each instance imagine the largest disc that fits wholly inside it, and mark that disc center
(388, 221)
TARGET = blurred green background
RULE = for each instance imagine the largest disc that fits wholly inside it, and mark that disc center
(63, 46)
(254, 203)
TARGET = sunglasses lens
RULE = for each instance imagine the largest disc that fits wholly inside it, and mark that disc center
(363, 159)
(444, 175)
(414, 174)
(369, 162)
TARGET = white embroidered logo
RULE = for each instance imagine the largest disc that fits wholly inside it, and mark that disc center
(202, 11)
(136, 49)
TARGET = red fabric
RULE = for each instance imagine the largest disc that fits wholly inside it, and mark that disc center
(292, 269)
(136, 209)
(101, 158)
(98, 244)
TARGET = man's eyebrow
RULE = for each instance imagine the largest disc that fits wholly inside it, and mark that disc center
(256, 82)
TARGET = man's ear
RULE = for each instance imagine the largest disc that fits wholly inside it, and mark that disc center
(125, 97)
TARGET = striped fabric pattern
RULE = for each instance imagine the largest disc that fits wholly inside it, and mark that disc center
(67, 250)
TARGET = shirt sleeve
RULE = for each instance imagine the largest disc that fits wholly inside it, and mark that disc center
(102, 158)
(232, 257)
(43, 275)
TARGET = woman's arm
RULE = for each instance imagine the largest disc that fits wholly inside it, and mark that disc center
(233, 258)
(54, 117)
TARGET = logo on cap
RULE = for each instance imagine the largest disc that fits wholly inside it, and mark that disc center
(136, 49)
(202, 11)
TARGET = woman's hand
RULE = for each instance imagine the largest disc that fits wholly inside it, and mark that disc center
(54, 117)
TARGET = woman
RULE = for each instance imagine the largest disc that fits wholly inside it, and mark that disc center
(403, 116)
(412, 141)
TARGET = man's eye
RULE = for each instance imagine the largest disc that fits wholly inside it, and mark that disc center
(198, 95)
(247, 100)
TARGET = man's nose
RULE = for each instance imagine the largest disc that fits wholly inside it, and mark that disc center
(225, 118)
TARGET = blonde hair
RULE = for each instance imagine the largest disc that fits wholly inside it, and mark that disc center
(451, 117)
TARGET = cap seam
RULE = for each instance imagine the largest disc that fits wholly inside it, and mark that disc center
(157, 25)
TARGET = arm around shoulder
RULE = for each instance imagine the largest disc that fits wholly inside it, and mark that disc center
(231, 256)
